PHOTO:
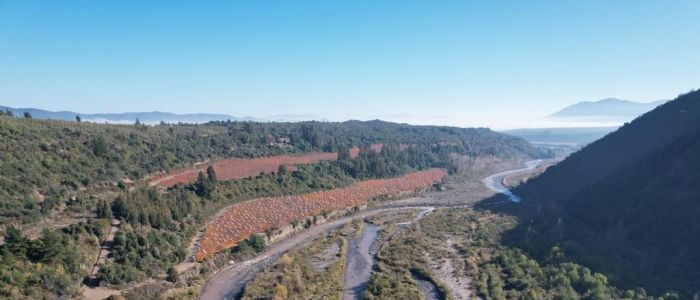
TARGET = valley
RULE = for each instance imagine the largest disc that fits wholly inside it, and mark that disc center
(230, 281)
(354, 150)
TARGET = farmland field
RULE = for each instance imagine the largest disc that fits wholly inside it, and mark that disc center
(232, 168)
(243, 219)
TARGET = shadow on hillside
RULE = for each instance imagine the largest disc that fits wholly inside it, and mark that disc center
(498, 203)
(517, 236)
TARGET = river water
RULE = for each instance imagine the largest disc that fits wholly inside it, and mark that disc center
(495, 181)
(229, 282)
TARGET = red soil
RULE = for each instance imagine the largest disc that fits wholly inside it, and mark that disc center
(245, 218)
(232, 168)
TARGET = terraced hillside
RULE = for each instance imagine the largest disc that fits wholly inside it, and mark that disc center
(243, 219)
(232, 168)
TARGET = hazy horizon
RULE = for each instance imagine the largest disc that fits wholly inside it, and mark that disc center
(439, 120)
(498, 65)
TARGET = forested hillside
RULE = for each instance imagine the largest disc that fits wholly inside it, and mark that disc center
(45, 163)
(90, 175)
(628, 204)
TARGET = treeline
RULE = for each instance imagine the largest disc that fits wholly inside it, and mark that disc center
(392, 161)
(45, 159)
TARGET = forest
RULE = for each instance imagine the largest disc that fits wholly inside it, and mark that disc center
(48, 163)
(496, 271)
(60, 170)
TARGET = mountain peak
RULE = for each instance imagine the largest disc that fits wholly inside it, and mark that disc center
(608, 109)
(613, 100)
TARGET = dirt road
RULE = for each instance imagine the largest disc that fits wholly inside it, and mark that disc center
(90, 290)
(229, 282)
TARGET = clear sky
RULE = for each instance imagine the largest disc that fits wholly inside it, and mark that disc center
(466, 63)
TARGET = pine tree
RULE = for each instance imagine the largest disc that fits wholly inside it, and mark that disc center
(104, 210)
(203, 186)
(211, 174)
(49, 246)
(15, 241)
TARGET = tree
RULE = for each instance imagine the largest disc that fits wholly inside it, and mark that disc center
(203, 187)
(211, 174)
(27, 115)
(15, 241)
(48, 247)
(77, 118)
(99, 146)
(282, 170)
(172, 275)
(257, 242)
(343, 154)
(104, 210)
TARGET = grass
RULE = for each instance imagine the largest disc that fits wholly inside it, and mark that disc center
(312, 272)
(476, 252)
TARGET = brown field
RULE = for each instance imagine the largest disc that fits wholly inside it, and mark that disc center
(245, 218)
(232, 168)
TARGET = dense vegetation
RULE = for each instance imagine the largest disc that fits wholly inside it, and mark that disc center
(626, 205)
(313, 272)
(50, 265)
(159, 225)
(470, 241)
(58, 169)
(45, 163)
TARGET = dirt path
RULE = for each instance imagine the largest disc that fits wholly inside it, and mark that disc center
(89, 287)
(107, 245)
(192, 248)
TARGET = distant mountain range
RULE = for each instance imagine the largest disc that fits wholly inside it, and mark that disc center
(586, 121)
(151, 117)
(610, 110)
(626, 204)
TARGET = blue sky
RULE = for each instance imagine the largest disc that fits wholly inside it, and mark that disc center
(466, 63)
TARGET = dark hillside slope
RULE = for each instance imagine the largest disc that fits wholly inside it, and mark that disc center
(628, 204)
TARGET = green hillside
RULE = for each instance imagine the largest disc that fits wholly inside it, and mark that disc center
(45, 163)
(68, 171)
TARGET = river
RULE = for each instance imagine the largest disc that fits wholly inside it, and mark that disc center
(228, 283)
(495, 182)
